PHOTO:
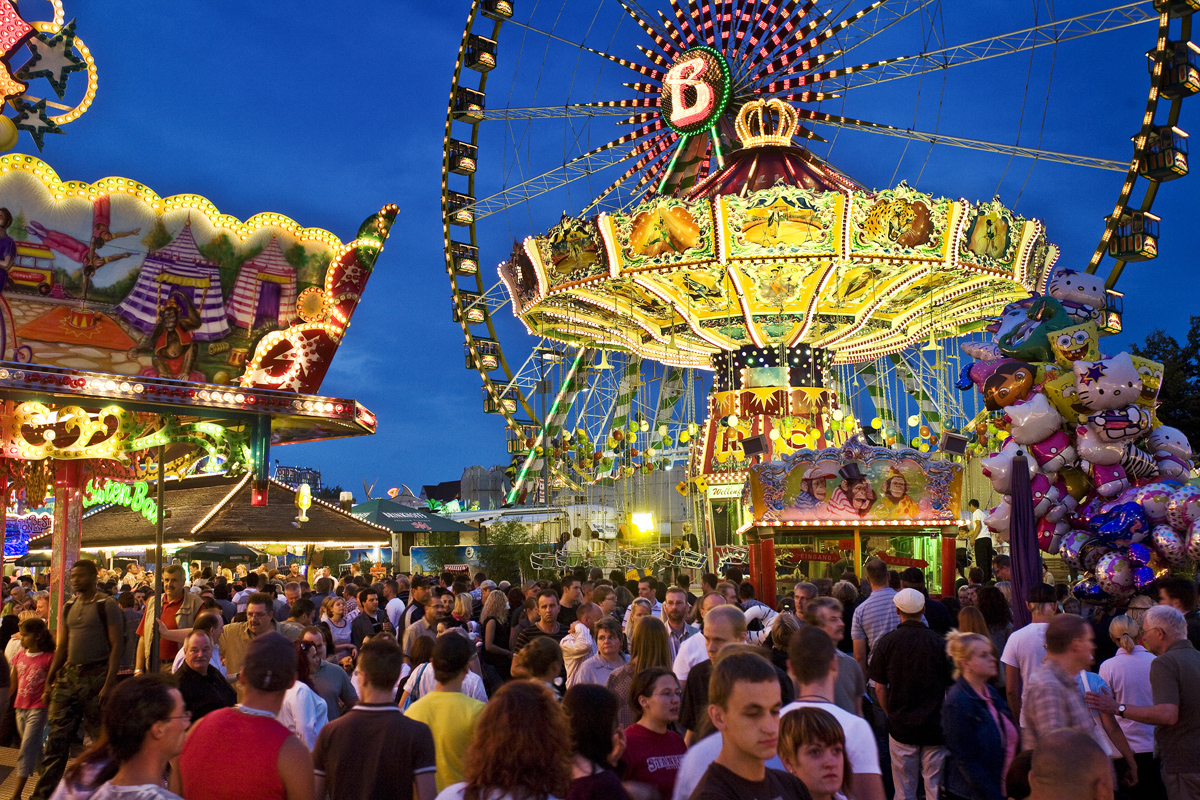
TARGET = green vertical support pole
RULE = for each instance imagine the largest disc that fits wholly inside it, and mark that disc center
(260, 458)
(158, 564)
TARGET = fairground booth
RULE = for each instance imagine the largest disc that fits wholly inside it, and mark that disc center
(821, 513)
(164, 340)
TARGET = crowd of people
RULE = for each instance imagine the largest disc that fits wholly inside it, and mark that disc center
(592, 687)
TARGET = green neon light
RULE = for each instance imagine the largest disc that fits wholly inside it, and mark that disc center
(135, 496)
(716, 140)
(541, 440)
(683, 140)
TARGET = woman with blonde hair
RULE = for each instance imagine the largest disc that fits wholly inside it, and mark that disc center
(980, 735)
(333, 617)
(1128, 675)
(972, 620)
(493, 621)
(464, 609)
(649, 648)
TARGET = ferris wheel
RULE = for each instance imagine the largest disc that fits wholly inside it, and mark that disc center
(557, 114)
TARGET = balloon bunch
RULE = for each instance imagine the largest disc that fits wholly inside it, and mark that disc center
(1107, 476)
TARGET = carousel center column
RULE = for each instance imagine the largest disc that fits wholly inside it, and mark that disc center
(68, 531)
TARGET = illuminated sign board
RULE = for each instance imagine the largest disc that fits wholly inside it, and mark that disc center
(135, 496)
(695, 90)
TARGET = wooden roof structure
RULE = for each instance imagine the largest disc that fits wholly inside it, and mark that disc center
(217, 509)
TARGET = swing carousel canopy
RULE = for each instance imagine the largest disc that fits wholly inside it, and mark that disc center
(776, 249)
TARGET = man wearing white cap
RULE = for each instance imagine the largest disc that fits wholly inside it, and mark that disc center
(911, 674)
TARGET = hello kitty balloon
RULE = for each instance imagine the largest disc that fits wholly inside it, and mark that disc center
(1033, 420)
(998, 468)
(1107, 384)
(1171, 451)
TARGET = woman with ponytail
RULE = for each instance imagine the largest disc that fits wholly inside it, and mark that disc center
(1128, 675)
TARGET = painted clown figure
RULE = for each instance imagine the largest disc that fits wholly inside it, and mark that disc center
(895, 503)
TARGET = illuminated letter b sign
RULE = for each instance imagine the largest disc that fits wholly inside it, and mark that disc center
(688, 73)
(695, 90)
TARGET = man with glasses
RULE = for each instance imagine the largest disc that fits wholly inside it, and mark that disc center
(1175, 715)
(260, 619)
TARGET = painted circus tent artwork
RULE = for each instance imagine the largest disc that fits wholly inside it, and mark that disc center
(125, 282)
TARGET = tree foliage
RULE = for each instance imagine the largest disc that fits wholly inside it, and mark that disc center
(158, 237)
(1179, 396)
(442, 549)
(333, 493)
(505, 551)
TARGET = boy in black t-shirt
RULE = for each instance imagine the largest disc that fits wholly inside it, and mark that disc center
(744, 702)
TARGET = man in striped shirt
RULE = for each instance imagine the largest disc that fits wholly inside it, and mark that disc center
(874, 616)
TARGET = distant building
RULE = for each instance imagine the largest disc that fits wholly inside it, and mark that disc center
(485, 486)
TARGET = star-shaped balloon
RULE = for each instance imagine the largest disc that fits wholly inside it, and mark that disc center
(54, 58)
(32, 117)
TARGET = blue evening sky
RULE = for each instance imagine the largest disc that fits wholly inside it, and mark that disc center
(326, 111)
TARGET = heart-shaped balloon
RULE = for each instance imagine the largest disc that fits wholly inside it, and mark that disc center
(1140, 553)
(1143, 576)
(1088, 591)
(1121, 525)
(1169, 544)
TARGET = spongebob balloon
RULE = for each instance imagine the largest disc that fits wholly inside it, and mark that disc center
(1077, 343)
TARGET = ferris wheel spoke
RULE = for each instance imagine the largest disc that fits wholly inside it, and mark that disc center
(641, 69)
(958, 141)
(654, 153)
(668, 49)
(886, 15)
(794, 81)
(585, 165)
(1052, 33)
(784, 18)
(551, 112)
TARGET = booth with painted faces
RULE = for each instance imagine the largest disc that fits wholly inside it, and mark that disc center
(820, 513)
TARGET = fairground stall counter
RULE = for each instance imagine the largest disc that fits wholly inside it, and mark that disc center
(164, 339)
(820, 513)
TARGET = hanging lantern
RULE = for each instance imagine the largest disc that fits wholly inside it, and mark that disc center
(773, 435)
(684, 437)
(925, 431)
(877, 423)
(662, 430)
(838, 414)
(914, 421)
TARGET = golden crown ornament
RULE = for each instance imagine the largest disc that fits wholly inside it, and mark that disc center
(762, 123)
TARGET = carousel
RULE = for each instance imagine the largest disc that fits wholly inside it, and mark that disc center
(147, 339)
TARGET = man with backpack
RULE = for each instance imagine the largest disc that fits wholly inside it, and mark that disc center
(91, 642)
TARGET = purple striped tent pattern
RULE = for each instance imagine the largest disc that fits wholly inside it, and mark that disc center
(268, 266)
(178, 267)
